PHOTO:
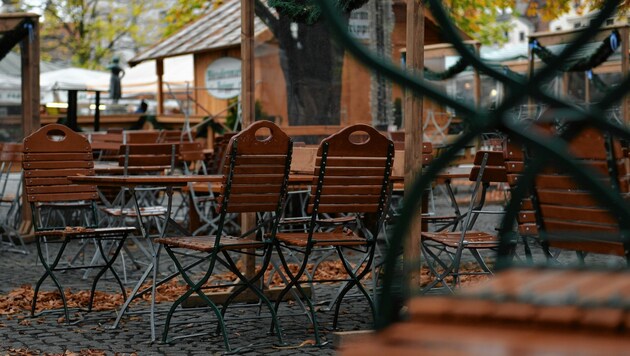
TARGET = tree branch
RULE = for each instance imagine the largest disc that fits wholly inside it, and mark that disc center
(266, 16)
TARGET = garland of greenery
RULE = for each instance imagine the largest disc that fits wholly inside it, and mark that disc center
(608, 46)
(449, 73)
(307, 11)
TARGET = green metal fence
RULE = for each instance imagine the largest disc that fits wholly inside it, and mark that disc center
(480, 120)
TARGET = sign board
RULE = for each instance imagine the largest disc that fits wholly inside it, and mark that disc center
(359, 23)
(223, 78)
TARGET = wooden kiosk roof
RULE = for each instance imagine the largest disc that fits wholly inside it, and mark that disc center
(220, 28)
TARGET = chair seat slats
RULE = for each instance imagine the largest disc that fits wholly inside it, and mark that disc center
(322, 239)
(472, 239)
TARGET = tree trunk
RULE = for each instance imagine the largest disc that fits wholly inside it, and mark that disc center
(312, 64)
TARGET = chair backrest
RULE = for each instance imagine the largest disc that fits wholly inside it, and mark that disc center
(570, 215)
(171, 136)
(219, 152)
(149, 156)
(514, 166)
(132, 137)
(51, 155)
(192, 156)
(10, 162)
(494, 169)
(352, 176)
(256, 170)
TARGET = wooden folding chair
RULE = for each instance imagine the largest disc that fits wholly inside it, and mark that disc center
(570, 217)
(489, 166)
(255, 178)
(51, 154)
(353, 179)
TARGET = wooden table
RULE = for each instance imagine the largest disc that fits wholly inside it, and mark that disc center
(131, 182)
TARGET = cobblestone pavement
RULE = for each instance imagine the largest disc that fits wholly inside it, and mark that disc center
(47, 335)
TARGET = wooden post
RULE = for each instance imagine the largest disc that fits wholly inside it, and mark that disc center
(159, 71)
(625, 66)
(413, 132)
(30, 101)
(30, 79)
(248, 221)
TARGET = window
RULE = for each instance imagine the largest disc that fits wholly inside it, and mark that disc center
(610, 22)
(576, 25)
(521, 36)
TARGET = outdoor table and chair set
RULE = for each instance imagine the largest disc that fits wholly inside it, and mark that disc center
(348, 198)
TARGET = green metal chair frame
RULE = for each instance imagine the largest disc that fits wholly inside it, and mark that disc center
(255, 179)
(482, 119)
(51, 154)
(351, 178)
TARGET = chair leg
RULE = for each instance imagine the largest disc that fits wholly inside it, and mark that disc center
(249, 283)
(49, 272)
(355, 280)
(194, 288)
(108, 266)
(295, 282)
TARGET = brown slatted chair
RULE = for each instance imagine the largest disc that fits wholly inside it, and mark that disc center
(255, 178)
(567, 215)
(142, 159)
(514, 166)
(51, 154)
(202, 197)
(489, 166)
(11, 196)
(352, 179)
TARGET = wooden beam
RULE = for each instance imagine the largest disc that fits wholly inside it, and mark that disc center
(30, 92)
(413, 133)
(248, 221)
(7, 25)
(159, 71)
(247, 62)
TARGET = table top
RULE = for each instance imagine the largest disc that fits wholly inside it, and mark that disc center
(114, 168)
